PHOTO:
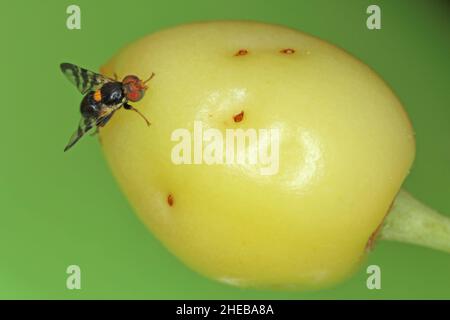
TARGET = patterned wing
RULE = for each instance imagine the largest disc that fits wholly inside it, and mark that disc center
(83, 79)
(84, 126)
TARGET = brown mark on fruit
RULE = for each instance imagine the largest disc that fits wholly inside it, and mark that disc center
(238, 117)
(287, 51)
(373, 237)
(170, 200)
(241, 52)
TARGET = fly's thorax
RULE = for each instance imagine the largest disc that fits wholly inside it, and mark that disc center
(112, 93)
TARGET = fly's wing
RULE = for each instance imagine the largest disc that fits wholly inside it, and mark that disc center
(104, 120)
(83, 79)
(83, 127)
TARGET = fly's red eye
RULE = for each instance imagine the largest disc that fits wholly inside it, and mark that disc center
(135, 95)
(130, 79)
(134, 88)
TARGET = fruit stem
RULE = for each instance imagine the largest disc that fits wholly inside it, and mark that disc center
(411, 221)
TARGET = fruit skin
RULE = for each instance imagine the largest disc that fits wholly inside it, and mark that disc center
(346, 147)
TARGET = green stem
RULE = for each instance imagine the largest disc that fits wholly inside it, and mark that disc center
(411, 221)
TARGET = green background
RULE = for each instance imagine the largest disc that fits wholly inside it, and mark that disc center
(61, 208)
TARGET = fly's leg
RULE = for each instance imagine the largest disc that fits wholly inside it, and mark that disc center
(130, 107)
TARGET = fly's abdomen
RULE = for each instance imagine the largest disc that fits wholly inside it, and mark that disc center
(89, 107)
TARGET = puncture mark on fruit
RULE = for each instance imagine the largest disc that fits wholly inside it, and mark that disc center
(238, 117)
(241, 52)
(287, 51)
(170, 200)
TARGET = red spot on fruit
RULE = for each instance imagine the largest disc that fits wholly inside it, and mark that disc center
(371, 242)
(241, 52)
(238, 117)
(170, 200)
(373, 237)
(288, 51)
